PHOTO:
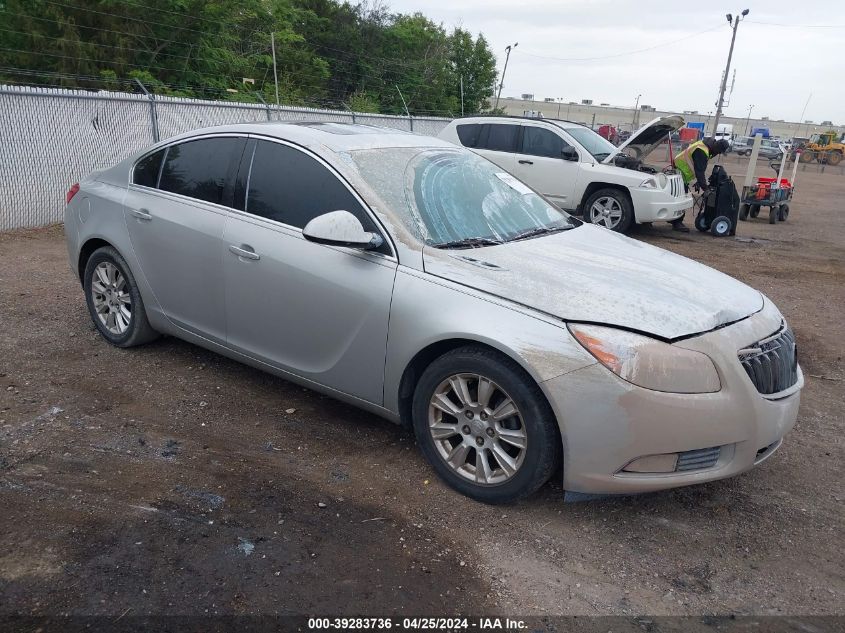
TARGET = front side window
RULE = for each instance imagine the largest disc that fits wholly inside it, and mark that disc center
(199, 168)
(147, 170)
(537, 141)
(447, 196)
(291, 187)
(600, 148)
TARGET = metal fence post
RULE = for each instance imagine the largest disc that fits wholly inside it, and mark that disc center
(153, 113)
(267, 107)
(411, 120)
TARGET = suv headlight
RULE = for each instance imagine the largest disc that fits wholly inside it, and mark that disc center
(647, 362)
(657, 181)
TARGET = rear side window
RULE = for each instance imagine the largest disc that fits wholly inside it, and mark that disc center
(289, 186)
(468, 134)
(199, 168)
(498, 137)
(538, 141)
(147, 169)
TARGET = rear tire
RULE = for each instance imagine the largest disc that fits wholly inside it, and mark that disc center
(754, 211)
(611, 209)
(773, 214)
(743, 212)
(783, 214)
(701, 223)
(834, 158)
(114, 301)
(461, 437)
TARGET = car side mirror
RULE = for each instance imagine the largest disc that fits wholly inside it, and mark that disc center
(569, 153)
(341, 228)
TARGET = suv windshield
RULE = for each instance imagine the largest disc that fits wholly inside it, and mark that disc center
(597, 145)
(453, 198)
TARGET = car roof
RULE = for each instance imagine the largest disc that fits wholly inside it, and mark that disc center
(514, 118)
(336, 136)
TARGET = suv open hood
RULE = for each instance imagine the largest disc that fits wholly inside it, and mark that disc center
(593, 275)
(644, 140)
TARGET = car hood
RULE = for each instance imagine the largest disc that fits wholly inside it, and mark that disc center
(643, 141)
(593, 275)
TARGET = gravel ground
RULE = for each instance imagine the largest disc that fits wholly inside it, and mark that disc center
(169, 480)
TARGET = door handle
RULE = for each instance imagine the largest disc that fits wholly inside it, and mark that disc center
(141, 214)
(526, 162)
(245, 251)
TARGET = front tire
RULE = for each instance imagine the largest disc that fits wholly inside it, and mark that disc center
(485, 426)
(114, 301)
(611, 209)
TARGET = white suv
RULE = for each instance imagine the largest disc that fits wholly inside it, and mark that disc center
(580, 171)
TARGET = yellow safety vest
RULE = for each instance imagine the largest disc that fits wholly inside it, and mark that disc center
(684, 164)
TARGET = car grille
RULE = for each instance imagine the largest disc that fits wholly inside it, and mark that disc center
(676, 186)
(698, 459)
(772, 364)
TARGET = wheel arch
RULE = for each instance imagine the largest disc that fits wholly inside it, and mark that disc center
(428, 354)
(600, 184)
(85, 252)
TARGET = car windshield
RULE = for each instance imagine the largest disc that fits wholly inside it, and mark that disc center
(453, 198)
(599, 147)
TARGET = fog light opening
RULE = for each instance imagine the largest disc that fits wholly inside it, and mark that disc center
(665, 463)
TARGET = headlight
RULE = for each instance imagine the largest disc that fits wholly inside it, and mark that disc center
(647, 362)
(658, 181)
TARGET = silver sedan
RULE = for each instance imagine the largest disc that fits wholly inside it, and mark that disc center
(419, 281)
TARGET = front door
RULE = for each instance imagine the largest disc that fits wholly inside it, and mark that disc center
(540, 163)
(318, 311)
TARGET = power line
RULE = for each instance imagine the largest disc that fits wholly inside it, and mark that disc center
(799, 26)
(614, 55)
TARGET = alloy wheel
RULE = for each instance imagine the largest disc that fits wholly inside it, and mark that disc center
(606, 211)
(111, 298)
(477, 429)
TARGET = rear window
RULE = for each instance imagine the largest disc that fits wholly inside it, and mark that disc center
(468, 134)
(499, 137)
(147, 169)
(199, 168)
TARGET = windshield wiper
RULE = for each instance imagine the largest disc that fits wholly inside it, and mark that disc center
(470, 242)
(542, 230)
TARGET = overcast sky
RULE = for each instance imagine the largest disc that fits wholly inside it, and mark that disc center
(777, 67)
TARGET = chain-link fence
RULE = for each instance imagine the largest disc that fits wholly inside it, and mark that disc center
(51, 138)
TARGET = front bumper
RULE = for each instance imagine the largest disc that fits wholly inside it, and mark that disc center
(651, 205)
(612, 422)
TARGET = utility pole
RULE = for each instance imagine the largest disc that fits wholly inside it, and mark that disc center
(636, 111)
(462, 95)
(504, 70)
(748, 118)
(275, 74)
(721, 100)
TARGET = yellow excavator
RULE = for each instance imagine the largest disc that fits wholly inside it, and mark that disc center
(825, 148)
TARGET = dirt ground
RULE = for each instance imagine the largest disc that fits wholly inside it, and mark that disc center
(169, 480)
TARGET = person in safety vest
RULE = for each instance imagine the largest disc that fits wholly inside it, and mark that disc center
(692, 165)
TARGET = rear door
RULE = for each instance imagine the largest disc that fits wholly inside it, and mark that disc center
(497, 142)
(318, 311)
(175, 218)
(540, 163)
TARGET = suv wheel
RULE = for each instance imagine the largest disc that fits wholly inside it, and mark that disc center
(484, 425)
(610, 208)
(114, 301)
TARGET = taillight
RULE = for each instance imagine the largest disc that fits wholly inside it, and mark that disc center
(71, 193)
